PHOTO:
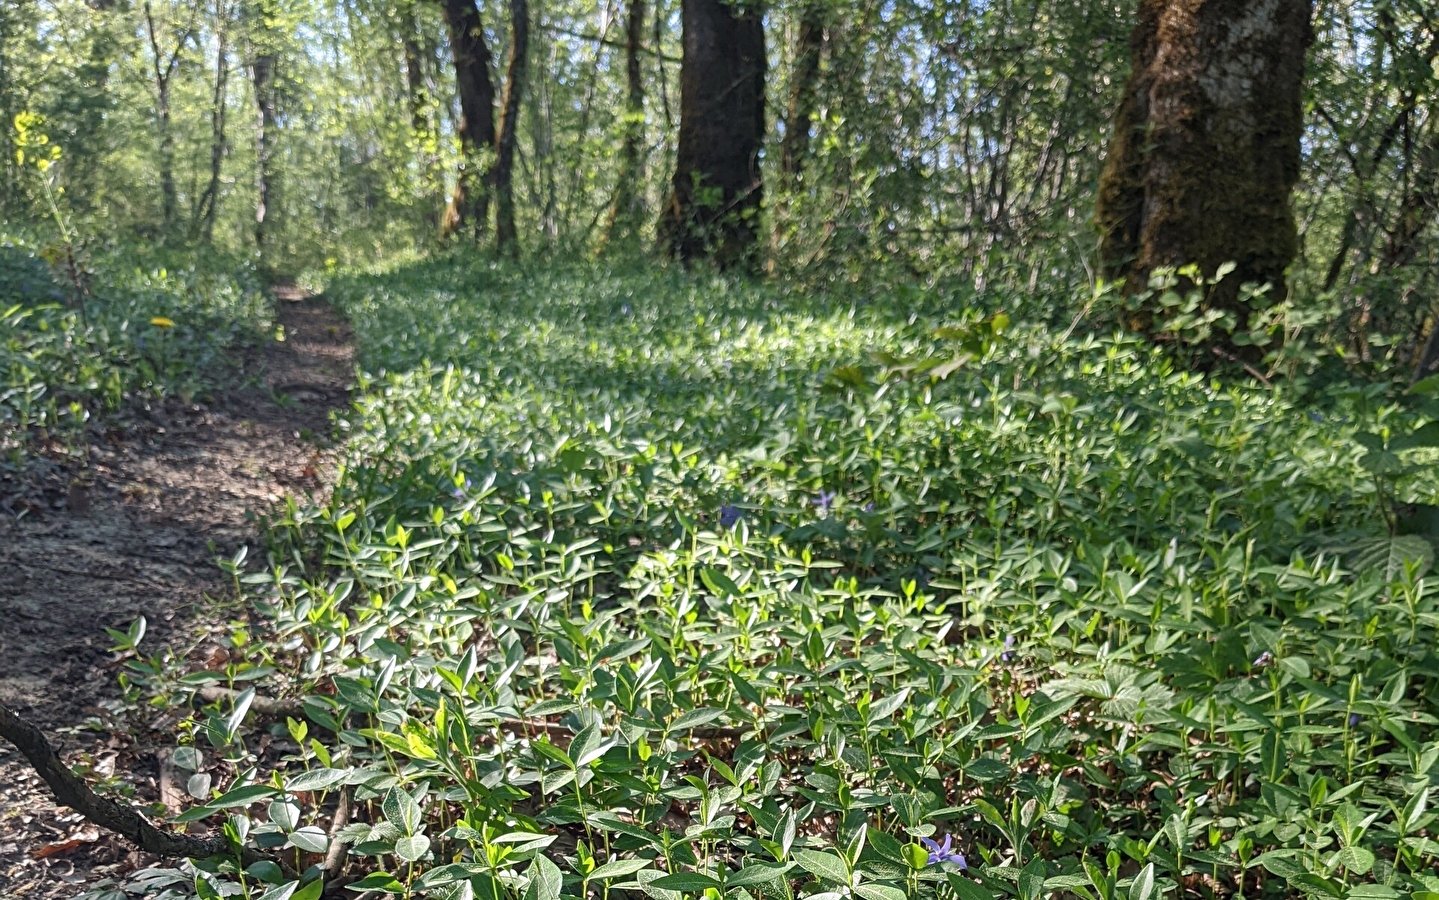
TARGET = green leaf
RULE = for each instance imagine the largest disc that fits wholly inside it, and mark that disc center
(412, 848)
(719, 583)
(695, 718)
(1357, 860)
(588, 746)
(647, 878)
(876, 891)
(1426, 436)
(316, 780)
(237, 716)
(1381, 462)
(311, 891)
(546, 881)
(618, 868)
(828, 866)
(401, 810)
(688, 882)
(282, 892)
(311, 838)
(756, 873)
(377, 881)
(1031, 880)
(965, 889)
(242, 796)
(1392, 555)
(1143, 884)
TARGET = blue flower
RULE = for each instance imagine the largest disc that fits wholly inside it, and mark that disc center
(1355, 719)
(825, 500)
(869, 507)
(1265, 659)
(943, 853)
(1008, 653)
(1315, 417)
(728, 516)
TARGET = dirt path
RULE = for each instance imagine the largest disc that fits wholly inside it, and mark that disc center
(175, 487)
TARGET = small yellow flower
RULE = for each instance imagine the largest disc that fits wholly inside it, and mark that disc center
(162, 322)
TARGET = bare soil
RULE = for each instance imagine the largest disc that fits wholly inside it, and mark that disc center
(136, 531)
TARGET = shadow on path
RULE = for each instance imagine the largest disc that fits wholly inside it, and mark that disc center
(174, 486)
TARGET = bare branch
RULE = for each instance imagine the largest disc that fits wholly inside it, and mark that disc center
(72, 791)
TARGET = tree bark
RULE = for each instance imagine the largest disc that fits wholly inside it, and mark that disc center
(209, 200)
(628, 210)
(421, 128)
(71, 790)
(262, 75)
(469, 204)
(163, 70)
(506, 239)
(809, 44)
(1205, 151)
(713, 210)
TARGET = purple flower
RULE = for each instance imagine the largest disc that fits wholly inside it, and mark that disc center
(825, 500)
(728, 516)
(1008, 653)
(1265, 659)
(1355, 719)
(943, 853)
(869, 507)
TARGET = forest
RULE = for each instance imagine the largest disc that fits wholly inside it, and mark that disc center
(719, 449)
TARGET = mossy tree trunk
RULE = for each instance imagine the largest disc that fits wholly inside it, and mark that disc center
(506, 238)
(469, 204)
(1205, 151)
(804, 81)
(628, 210)
(713, 210)
(262, 75)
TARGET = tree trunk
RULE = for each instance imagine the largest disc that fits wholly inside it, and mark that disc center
(713, 210)
(803, 81)
(1205, 151)
(421, 128)
(469, 204)
(628, 210)
(164, 71)
(262, 74)
(414, 74)
(210, 199)
(506, 239)
(167, 154)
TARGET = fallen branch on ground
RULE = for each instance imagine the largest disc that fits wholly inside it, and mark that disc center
(72, 791)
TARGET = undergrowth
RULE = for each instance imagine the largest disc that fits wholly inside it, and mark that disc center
(133, 330)
(643, 583)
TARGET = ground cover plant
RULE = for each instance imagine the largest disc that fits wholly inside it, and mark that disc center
(644, 583)
(133, 329)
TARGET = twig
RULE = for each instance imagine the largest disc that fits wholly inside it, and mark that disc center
(335, 857)
(1225, 354)
(72, 791)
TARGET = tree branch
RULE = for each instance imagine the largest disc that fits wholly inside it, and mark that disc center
(605, 41)
(72, 791)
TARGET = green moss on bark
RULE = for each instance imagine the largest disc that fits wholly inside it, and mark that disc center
(1205, 151)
